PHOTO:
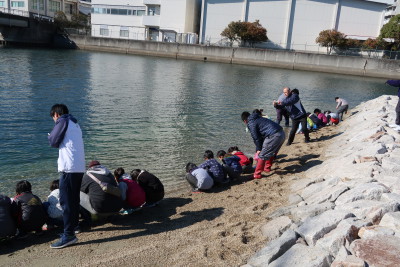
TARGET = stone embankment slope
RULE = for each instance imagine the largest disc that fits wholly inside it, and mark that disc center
(346, 211)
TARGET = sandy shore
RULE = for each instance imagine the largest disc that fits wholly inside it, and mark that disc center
(221, 228)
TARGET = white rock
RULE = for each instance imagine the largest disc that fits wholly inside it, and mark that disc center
(373, 231)
(274, 249)
(314, 228)
(349, 261)
(362, 191)
(274, 228)
(302, 212)
(301, 255)
(392, 221)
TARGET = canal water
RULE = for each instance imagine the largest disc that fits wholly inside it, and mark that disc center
(143, 112)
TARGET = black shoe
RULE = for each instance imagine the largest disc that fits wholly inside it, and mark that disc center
(288, 144)
(307, 141)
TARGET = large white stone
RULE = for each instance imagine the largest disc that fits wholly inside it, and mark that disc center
(327, 194)
(392, 221)
(371, 210)
(300, 213)
(274, 249)
(302, 255)
(346, 230)
(274, 228)
(314, 228)
(363, 191)
(391, 163)
(349, 261)
(373, 231)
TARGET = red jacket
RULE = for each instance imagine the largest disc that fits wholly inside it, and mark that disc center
(243, 159)
(135, 195)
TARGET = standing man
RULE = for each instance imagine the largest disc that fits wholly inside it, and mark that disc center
(342, 107)
(280, 111)
(67, 137)
(297, 113)
(396, 83)
(268, 137)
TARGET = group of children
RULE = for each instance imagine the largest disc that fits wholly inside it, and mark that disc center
(318, 119)
(25, 212)
(211, 172)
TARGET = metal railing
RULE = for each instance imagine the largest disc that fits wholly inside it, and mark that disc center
(14, 11)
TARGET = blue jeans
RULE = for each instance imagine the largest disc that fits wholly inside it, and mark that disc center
(70, 186)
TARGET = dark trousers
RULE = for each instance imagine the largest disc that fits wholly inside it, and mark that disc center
(282, 112)
(295, 125)
(70, 185)
(191, 180)
(398, 113)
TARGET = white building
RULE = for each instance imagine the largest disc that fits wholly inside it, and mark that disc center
(41, 7)
(392, 11)
(157, 20)
(294, 24)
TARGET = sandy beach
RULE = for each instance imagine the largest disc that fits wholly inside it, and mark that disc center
(221, 228)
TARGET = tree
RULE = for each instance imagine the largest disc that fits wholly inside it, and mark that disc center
(245, 32)
(372, 43)
(330, 39)
(61, 20)
(392, 30)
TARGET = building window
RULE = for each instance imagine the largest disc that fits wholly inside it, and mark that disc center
(124, 32)
(104, 31)
(54, 6)
(1, 3)
(69, 9)
(17, 4)
(132, 11)
(37, 4)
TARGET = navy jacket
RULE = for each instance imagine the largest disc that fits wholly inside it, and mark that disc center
(31, 214)
(7, 222)
(215, 170)
(395, 83)
(233, 162)
(260, 128)
(57, 134)
(152, 186)
(293, 104)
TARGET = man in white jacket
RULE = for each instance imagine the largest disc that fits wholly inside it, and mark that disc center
(67, 137)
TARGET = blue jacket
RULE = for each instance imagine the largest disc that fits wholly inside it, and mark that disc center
(293, 104)
(233, 162)
(395, 83)
(260, 128)
(57, 134)
(215, 169)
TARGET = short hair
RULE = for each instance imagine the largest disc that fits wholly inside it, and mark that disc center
(208, 154)
(257, 111)
(317, 110)
(221, 153)
(55, 184)
(233, 148)
(295, 91)
(135, 174)
(245, 115)
(23, 186)
(190, 166)
(60, 109)
(336, 98)
(119, 172)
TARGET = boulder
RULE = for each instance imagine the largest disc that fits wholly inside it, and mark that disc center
(300, 213)
(349, 261)
(302, 255)
(274, 228)
(373, 231)
(314, 228)
(391, 220)
(274, 249)
(362, 191)
(378, 251)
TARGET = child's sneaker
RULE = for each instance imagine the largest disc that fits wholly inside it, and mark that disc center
(64, 242)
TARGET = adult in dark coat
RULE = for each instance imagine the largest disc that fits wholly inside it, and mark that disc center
(7, 222)
(268, 137)
(297, 113)
(151, 185)
(396, 83)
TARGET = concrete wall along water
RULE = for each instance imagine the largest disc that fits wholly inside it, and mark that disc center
(369, 67)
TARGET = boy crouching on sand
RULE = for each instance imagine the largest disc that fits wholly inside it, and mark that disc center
(231, 164)
(215, 169)
(198, 178)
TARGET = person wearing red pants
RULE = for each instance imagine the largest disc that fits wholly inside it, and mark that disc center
(268, 137)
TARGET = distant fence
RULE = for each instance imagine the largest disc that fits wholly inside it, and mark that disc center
(27, 14)
(314, 48)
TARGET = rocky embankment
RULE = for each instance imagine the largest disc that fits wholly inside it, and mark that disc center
(346, 211)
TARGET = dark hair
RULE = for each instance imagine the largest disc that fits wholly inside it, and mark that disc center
(221, 153)
(60, 109)
(190, 166)
(327, 111)
(317, 110)
(258, 112)
(336, 98)
(208, 154)
(308, 113)
(119, 172)
(233, 148)
(295, 91)
(135, 174)
(55, 184)
(245, 115)
(23, 186)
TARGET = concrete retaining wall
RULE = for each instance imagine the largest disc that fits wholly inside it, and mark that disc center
(369, 67)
